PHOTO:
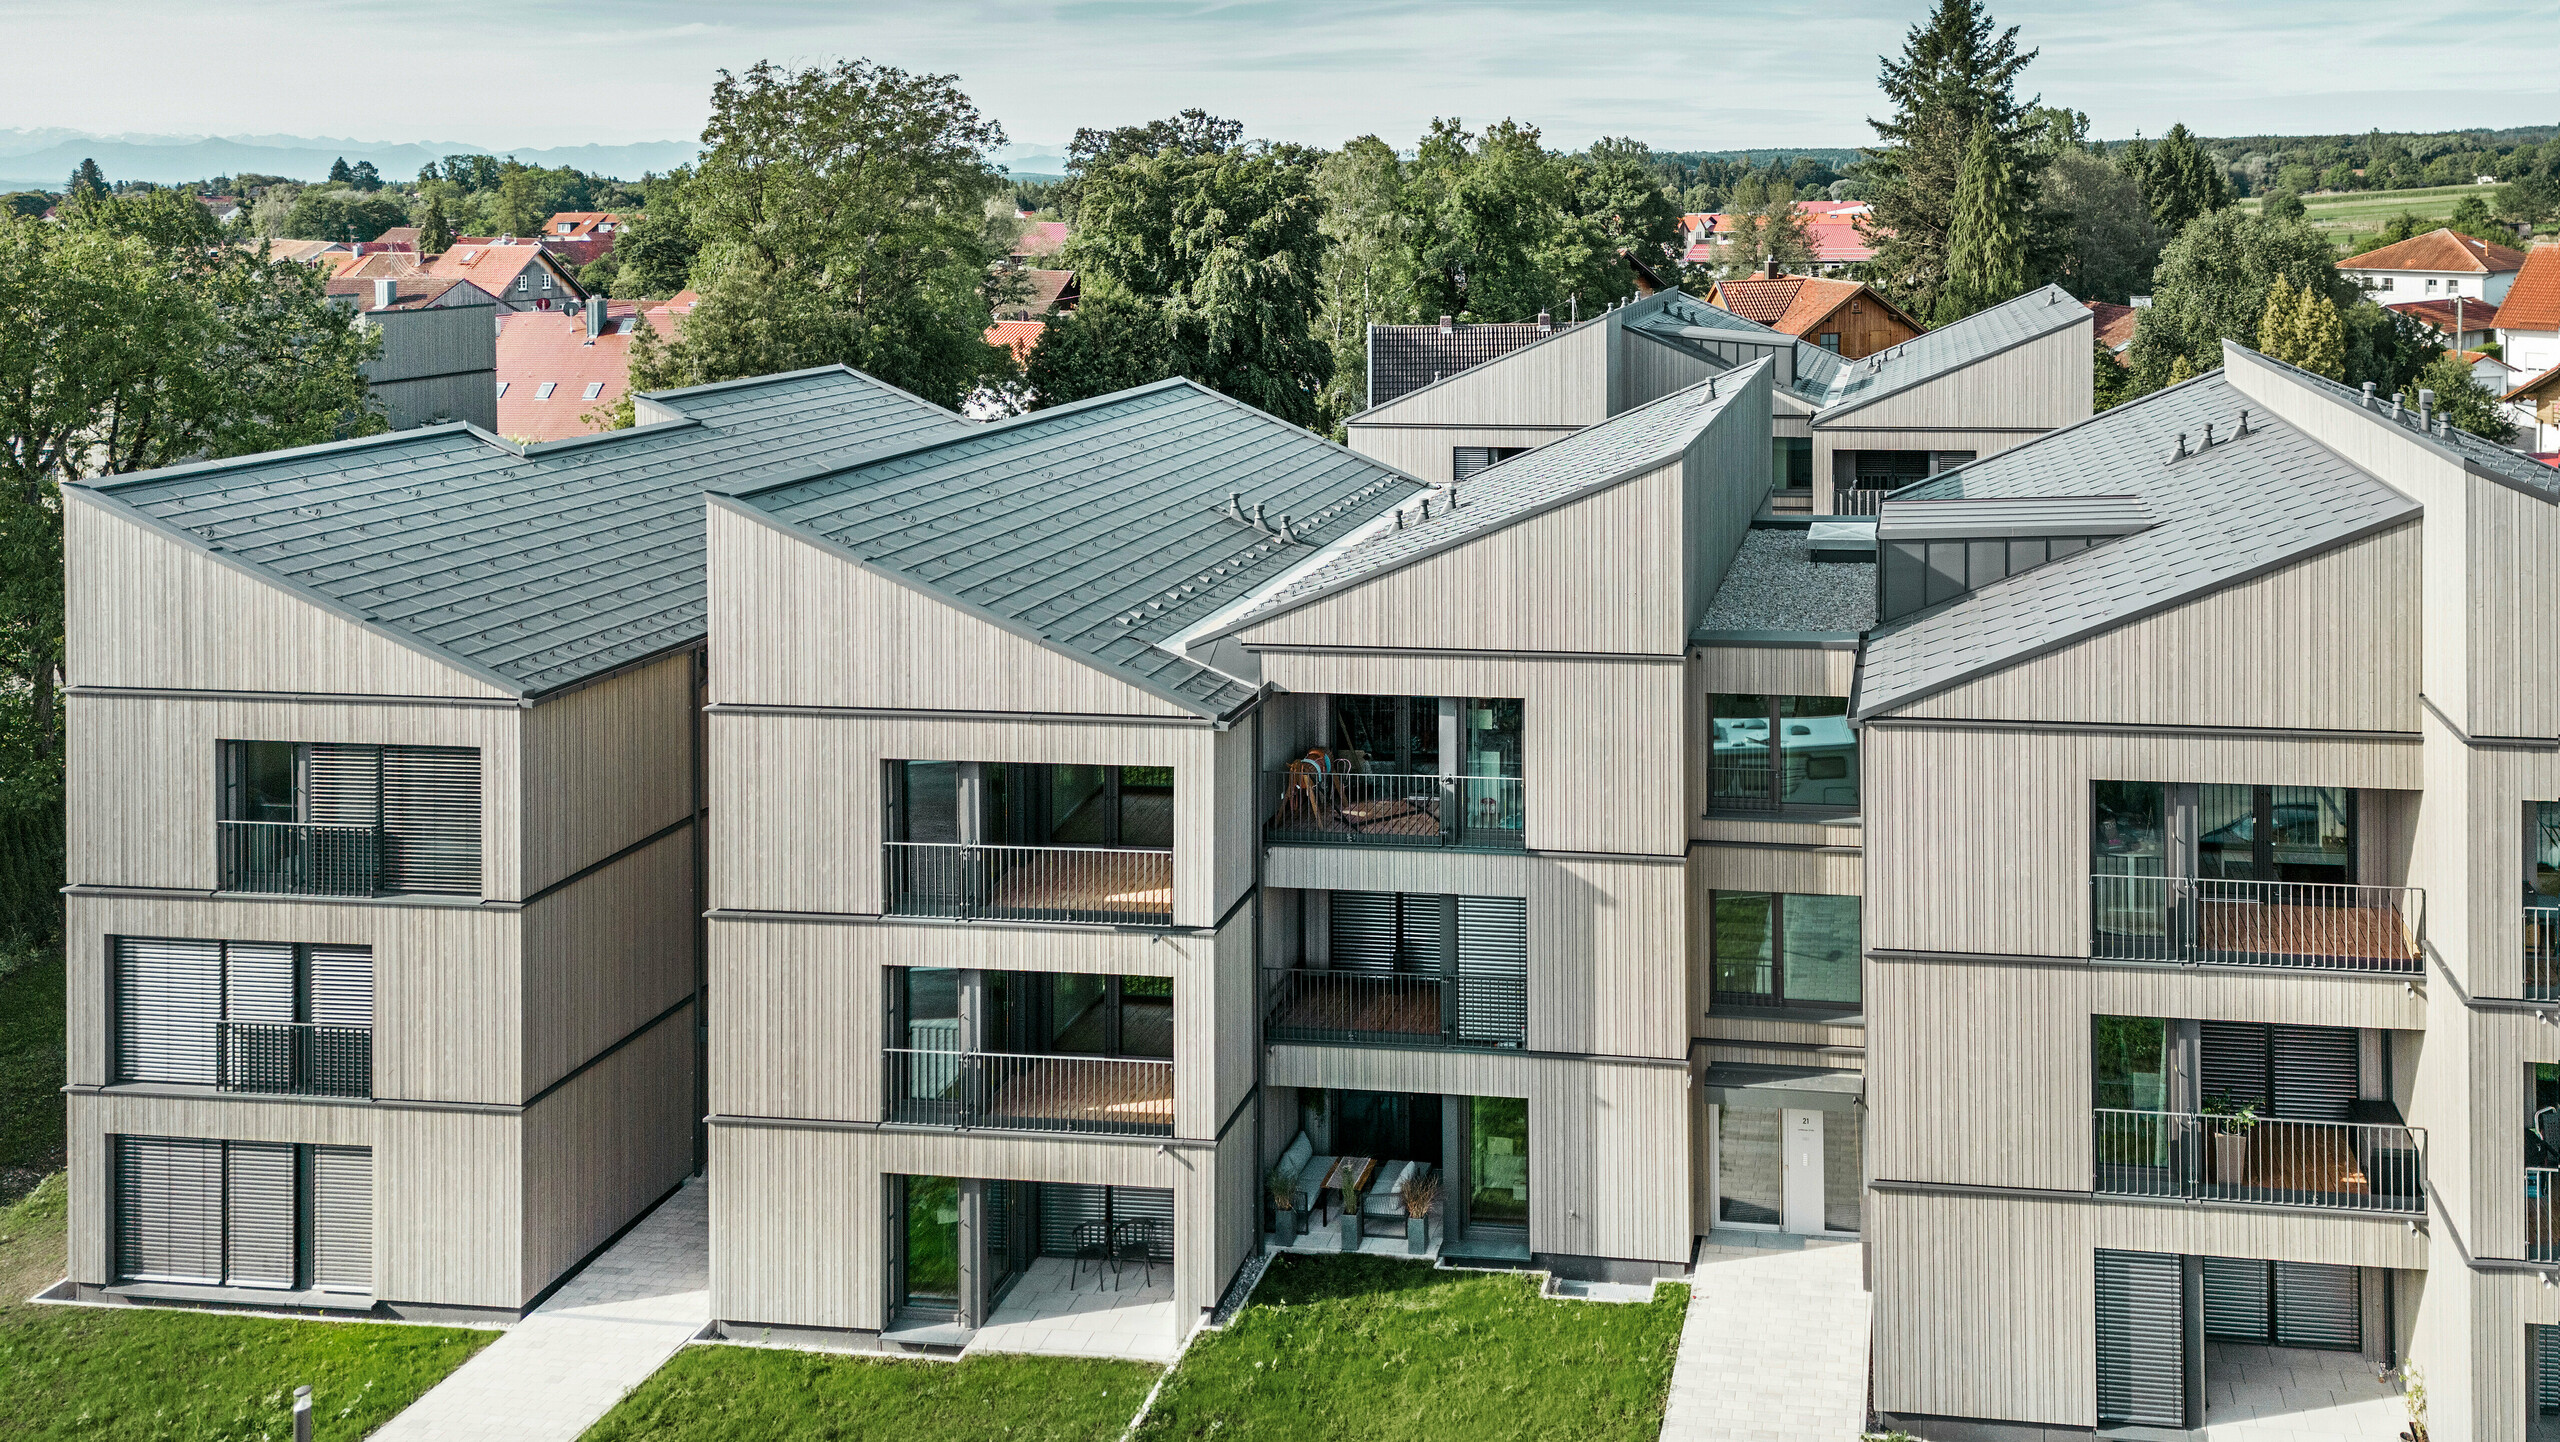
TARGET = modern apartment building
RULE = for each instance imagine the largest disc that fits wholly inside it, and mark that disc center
(384, 799)
(2208, 799)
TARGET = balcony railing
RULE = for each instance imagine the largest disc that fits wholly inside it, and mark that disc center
(1029, 883)
(2316, 925)
(1354, 809)
(1122, 1096)
(2542, 953)
(287, 857)
(2322, 1166)
(298, 1058)
(1857, 500)
(1371, 1008)
(2542, 1214)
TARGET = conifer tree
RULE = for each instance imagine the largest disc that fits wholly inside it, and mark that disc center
(435, 233)
(2319, 336)
(1957, 70)
(2279, 335)
(87, 182)
(1986, 252)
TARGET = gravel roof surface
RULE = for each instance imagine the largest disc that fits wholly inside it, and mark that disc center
(1773, 586)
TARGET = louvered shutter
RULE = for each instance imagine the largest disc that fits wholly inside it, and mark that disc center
(2238, 1300)
(1147, 1204)
(342, 1219)
(257, 983)
(259, 1188)
(1493, 968)
(342, 786)
(1422, 933)
(1361, 930)
(168, 995)
(2546, 1370)
(1065, 1207)
(168, 1210)
(2319, 1306)
(2235, 1061)
(2142, 1376)
(431, 808)
(341, 985)
(2315, 1069)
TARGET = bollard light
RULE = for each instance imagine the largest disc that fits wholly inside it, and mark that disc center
(301, 1414)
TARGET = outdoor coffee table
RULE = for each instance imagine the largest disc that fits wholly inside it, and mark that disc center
(1349, 1175)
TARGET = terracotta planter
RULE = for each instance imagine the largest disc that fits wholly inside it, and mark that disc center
(2231, 1158)
(1417, 1235)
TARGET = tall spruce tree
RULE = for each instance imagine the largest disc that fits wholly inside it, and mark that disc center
(2182, 182)
(87, 182)
(1986, 249)
(1955, 73)
(435, 233)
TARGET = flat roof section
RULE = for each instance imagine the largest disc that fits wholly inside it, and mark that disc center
(1774, 584)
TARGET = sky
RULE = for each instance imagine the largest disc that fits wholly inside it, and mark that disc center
(1724, 75)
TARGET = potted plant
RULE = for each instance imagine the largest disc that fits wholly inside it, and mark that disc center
(1350, 1219)
(2230, 1123)
(1283, 1186)
(1418, 1194)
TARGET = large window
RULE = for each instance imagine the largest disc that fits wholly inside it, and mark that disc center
(269, 1215)
(1780, 949)
(1772, 752)
(2130, 1057)
(2275, 833)
(1791, 463)
(340, 820)
(244, 1016)
(1498, 1161)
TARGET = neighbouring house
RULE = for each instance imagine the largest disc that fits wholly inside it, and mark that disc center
(1040, 238)
(559, 370)
(1052, 292)
(1405, 358)
(2460, 321)
(579, 224)
(2114, 327)
(520, 273)
(1831, 226)
(2529, 317)
(439, 359)
(1844, 317)
(223, 208)
(2535, 408)
(2438, 265)
(1018, 336)
(2488, 372)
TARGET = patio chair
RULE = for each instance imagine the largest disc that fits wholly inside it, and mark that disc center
(1091, 1246)
(1299, 795)
(1135, 1247)
(1384, 1201)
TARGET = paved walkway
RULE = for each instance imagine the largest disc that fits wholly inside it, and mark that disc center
(2288, 1394)
(1775, 1347)
(554, 1373)
(1053, 1313)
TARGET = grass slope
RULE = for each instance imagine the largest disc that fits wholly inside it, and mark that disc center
(1350, 1349)
(153, 1376)
(31, 1114)
(748, 1394)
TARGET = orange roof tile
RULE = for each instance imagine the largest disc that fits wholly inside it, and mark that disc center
(1797, 303)
(2115, 323)
(2441, 249)
(580, 222)
(1041, 237)
(492, 267)
(1019, 336)
(2533, 302)
(538, 349)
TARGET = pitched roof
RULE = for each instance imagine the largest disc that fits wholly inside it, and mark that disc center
(410, 292)
(2547, 383)
(1673, 314)
(1018, 336)
(2219, 516)
(1098, 529)
(2533, 301)
(2114, 324)
(1049, 289)
(2441, 249)
(1985, 333)
(580, 222)
(1588, 461)
(1405, 358)
(1797, 303)
(1041, 237)
(494, 266)
(551, 348)
(2443, 314)
(535, 568)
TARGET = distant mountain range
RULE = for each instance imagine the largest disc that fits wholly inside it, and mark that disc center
(45, 157)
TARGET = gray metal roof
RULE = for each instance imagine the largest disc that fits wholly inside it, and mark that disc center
(1668, 322)
(1589, 460)
(2485, 455)
(1950, 347)
(1986, 517)
(2244, 507)
(1773, 584)
(1100, 529)
(535, 568)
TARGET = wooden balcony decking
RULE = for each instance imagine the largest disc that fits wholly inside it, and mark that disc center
(1071, 1089)
(1355, 1003)
(1135, 883)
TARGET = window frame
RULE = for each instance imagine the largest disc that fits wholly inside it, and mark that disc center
(1776, 998)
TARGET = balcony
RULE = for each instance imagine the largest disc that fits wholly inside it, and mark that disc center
(297, 860)
(2318, 926)
(2542, 1214)
(1386, 1009)
(1092, 885)
(1305, 806)
(2363, 1167)
(1110, 1096)
(293, 1058)
(2542, 953)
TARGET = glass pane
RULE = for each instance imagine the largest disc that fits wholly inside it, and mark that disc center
(2127, 838)
(1748, 1166)
(1493, 737)
(1744, 943)
(1146, 1016)
(1842, 1182)
(1078, 814)
(2542, 1129)
(2227, 833)
(1388, 1126)
(1498, 1161)
(1146, 807)
(2545, 878)
(2313, 833)
(1387, 735)
(1820, 948)
(267, 781)
(1075, 1014)
(1738, 771)
(1818, 753)
(2130, 1056)
(933, 1242)
(933, 1009)
(932, 809)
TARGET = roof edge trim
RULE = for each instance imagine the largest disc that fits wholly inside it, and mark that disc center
(104, 484)
(1824, 417)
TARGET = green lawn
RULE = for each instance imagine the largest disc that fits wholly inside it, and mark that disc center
(748, 1394)
(30, 1069)
(2356, 217)
(145, 1376)
(1351, 1349)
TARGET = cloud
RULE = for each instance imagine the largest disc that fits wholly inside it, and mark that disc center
(638, 37)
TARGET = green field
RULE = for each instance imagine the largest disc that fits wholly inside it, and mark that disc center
(2354, 217)
(750, 1394)
(1374, 1349)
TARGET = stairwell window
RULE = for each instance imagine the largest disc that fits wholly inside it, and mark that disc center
(1777, 949)
(1771, 753)
(325, 818)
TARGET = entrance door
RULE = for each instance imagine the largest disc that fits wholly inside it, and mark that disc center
(1803, 1186)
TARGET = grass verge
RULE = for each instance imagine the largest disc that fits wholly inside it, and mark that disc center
(1352, 1349)
(138, 1375)
(750, 1394)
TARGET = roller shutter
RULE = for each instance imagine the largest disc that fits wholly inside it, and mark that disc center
(2141, 1340)
(1422, 933)
(1493, 968)
(2234, 1061)
(2238, 1299)
(342, 786)
(341, 985)
(342, 1219)
(257, 983)
(1152, 1204)
(431, 810)
(1065, 1207)
(168, 995)
(2546, 1370)
(2315, 1073)
(2318, 1306)
(168, 1221)
(1361, 930)
(259, 1188)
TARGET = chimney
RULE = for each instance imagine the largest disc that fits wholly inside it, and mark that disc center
(2368, 395)
(1769, 268)
(595, 316)
(1546, 322)
(1448, 325)
(385, 291)
(2426, 403)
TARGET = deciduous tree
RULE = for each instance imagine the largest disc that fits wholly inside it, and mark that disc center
(2460, 398)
